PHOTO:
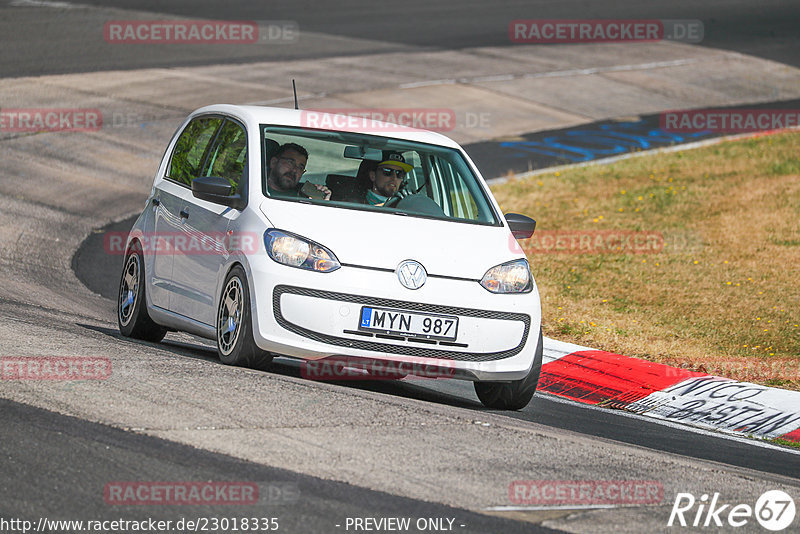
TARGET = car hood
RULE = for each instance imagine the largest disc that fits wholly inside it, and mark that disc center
(383, 240)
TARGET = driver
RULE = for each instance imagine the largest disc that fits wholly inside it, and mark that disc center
(387, 177)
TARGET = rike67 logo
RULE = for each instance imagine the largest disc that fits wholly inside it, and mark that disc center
(774, 510)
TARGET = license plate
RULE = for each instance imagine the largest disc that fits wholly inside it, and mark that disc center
(407, 323)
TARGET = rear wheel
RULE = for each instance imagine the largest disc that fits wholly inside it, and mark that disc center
(132, 316)
(516, 394)
(235, 343)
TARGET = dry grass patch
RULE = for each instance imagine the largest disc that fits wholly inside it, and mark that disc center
(722, 296)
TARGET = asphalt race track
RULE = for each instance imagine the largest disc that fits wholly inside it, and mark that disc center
(321, 453)
(765, 29)
(95, 452)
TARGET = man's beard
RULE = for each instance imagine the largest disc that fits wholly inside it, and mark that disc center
(388, 190)
(287, 181)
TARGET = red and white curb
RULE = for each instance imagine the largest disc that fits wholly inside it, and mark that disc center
(668, 393)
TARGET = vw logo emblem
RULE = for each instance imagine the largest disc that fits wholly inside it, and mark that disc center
(411, 274)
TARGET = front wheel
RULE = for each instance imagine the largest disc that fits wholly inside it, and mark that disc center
(235, 343)
(516, 394)
(132, 316)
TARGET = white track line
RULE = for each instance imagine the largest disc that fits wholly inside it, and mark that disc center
(46, 3)
(553, 74)
(543, 508)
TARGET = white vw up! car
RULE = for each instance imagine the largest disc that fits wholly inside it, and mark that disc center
(365, 242)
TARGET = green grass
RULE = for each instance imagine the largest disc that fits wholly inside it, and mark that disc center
(785, 442)
(723, 294)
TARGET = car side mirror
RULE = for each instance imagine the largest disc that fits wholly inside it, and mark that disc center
(522, 226)
(217, 190)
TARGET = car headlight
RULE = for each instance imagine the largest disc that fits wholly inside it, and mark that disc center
(512, 277)
(295, 251)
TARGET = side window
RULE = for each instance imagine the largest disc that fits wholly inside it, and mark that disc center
(191, 148)
(228, 155)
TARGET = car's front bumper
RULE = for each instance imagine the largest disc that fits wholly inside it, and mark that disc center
(297, 313)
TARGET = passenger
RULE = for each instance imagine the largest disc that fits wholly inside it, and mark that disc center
(387, 177)
(285, 169)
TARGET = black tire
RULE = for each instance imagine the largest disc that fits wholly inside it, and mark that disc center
(132, 316)
(235, 343)
(513, 395)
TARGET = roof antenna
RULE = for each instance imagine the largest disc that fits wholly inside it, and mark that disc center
(294, 88)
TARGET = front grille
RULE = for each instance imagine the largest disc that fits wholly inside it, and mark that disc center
(376, 346)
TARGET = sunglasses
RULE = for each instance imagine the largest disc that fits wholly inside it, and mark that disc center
(397, 172)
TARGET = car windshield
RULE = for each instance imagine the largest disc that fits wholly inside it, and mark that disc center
(372, 173)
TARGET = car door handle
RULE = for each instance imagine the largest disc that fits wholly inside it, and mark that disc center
(156, 202)
(184, 214)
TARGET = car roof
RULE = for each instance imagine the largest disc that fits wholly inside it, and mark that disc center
(300, 118)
